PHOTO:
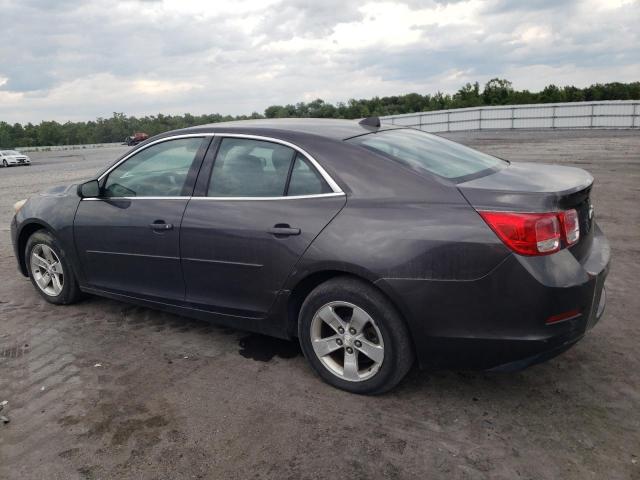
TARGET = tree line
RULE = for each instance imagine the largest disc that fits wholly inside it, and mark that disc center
(495, 92)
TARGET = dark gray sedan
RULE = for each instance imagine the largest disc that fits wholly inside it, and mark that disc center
(374, 245)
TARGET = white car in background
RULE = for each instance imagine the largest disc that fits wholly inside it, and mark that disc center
(11, 157)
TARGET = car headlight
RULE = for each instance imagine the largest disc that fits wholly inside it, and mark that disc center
(18, 205)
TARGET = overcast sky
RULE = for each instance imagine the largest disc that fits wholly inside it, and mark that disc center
(77, 60)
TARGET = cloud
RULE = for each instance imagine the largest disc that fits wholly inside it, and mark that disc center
(507, 6)
(301, 18)
(79, 60)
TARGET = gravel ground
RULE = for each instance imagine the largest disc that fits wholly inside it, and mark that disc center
(103, 389)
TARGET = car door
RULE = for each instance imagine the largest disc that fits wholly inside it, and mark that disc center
(128, 239)
(262, 204)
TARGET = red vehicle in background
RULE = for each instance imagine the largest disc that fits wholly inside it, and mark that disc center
(136, 138)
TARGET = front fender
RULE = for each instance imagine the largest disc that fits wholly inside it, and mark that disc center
(54, 211)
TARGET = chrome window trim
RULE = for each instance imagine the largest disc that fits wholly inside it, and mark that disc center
(332, 184)
(111, 199)
(337, 191)
(292, 197)
(155, 142)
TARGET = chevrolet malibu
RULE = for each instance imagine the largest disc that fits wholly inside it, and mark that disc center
(376, 246)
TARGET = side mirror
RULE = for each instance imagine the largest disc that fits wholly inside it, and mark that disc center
(90, 189)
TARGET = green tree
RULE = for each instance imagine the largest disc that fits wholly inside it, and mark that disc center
(497, 91)
(468, 96)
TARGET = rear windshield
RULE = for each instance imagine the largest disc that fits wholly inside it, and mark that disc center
(423, 151)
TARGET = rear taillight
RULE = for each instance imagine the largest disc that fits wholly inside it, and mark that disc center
(534, 233)
(571, 226)
(526, 233)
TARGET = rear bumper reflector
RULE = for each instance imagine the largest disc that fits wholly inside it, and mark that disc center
(561, 317)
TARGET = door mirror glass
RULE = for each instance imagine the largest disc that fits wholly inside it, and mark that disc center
(90, 189)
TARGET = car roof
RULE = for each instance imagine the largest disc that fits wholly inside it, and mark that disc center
(323, 127)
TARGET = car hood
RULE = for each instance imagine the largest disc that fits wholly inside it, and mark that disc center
(59, 191)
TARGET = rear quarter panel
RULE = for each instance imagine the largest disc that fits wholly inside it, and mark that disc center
(400, 225)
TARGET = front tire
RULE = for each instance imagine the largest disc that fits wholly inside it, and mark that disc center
(353, 337)
(49, 269)
(5, 164)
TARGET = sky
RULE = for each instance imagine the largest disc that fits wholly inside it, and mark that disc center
(78, 60)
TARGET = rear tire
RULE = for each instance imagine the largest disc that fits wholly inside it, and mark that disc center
(342, 319)
(49, 269)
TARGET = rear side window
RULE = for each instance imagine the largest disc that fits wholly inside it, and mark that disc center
(256, 168)
(305, 180)
(422, 151)
(250, 168)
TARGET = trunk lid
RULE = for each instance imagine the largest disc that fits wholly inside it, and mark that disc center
(534, 187)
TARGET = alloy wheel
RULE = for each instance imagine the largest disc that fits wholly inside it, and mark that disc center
(347, 341)
(47, 270)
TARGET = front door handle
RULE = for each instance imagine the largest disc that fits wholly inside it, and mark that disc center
(161, 226)
(284, 230)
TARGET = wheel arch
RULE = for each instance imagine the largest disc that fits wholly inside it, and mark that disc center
(23, 237)
(307, 284)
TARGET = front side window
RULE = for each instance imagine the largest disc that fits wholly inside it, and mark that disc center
(250, 168)
(422, 151)
(157, 171)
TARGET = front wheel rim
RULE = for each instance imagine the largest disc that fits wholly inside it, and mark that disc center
(347, 341)
(47, 270)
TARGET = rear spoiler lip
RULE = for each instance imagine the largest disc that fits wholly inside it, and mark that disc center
(534, 202)
(489, 193)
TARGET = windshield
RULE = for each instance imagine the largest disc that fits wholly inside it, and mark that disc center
(11, 152)
(422, 151)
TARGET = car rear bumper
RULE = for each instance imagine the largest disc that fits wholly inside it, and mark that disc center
(499, 321)
(556, 345)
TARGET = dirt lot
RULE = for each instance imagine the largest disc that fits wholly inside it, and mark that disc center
(106, 390)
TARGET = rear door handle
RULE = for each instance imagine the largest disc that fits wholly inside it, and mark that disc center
(283, 229)
(160, 226)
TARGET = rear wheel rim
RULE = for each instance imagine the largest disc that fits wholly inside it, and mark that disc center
(47, 270)
(347, 341)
